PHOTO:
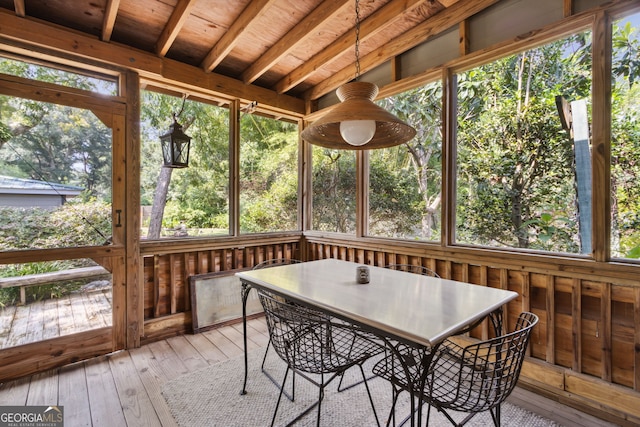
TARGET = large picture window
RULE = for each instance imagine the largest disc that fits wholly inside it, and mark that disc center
(405, 181)
(517, 166)
(625, 139)
(334, 190)
(191, 201)
(268, 174)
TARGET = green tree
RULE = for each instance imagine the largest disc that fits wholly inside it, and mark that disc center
(268, 174)
(515, 166)
(404, 206)
(625, 142)
(197, 196)
(334, 190)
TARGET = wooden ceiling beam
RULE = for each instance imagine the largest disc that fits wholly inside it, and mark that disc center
(304, 29)
(173, 27)
(419, 34)
(110, 14)
(17, 33)
(447, 3)
(18, 6)
(250, 14)
(377, 21)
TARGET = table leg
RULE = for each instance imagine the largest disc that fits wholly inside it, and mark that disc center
(414, 386)
(426, 364)
(245, 295)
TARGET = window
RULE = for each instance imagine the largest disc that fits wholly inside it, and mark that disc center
(625, 139)
(74, 78)
(55, 184)
(268, 174)
(197, 197)
(516, 166)
(405, 181)
(334, 190)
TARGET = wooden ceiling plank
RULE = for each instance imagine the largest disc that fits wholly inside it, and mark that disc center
(57, 41)
(174, 25)
(440, 22)
(379, 20)
(304, 29)
(250, 14)
(18, 5)
(447, 3)
(110, 14)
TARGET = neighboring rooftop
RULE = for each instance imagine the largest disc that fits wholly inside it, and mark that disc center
(21, 192)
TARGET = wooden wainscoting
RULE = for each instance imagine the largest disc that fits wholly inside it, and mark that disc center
(166, 272)
(584, 352)
(586, 348)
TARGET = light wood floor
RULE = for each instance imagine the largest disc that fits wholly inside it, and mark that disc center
(55, 317)
(123, 389)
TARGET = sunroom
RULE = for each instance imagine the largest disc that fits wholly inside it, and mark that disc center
(522, 175)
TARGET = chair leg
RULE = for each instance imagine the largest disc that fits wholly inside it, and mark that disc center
(495, 415)
(290, 396)
(275, 412)
(373, 407)
(392, 412)
(320, 396)
(341, 389)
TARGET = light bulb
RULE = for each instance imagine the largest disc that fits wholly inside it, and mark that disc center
(357, 132)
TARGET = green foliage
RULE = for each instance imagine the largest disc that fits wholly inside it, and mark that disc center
(68, 226)
(268, 175)
(11, 296)
(198, 195)
(515, 167)
(405, 181)
(625, 143)
(72, 224)
(334, 190)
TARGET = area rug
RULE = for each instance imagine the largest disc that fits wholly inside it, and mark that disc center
(211, 397)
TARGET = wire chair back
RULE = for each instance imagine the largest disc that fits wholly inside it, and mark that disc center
(413, 268)
(480, 376)
(274, 262)
(310, 341)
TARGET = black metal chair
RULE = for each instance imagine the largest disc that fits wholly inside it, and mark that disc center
(413, 268)
(266, 264)
(471, 379)
(310, 342)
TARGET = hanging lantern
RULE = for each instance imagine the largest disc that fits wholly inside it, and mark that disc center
(175, 146)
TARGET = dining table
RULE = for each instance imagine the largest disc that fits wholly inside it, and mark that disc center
(398, 306)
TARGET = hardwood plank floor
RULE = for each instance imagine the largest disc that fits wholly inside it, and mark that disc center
(51, 318)
(124, 388)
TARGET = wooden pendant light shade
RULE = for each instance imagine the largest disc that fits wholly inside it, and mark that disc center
(357, 104)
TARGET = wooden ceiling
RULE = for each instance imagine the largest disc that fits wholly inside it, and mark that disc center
(301, 48)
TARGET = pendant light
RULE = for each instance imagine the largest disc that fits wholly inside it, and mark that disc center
(357, 123)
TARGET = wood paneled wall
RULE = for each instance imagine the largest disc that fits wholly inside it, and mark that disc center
(585, 351)
(167, 302)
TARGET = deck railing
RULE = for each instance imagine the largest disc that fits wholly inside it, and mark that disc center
(29, 280)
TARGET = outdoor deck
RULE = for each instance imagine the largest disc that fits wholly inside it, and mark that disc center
(52, 318)
(124, 388)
